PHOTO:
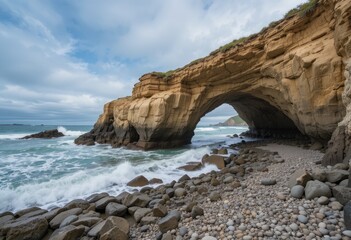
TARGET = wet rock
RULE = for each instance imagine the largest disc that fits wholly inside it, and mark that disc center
(6, 218)
(26, 211)
(57, 220)
(96, 197)
(223, 151)
(148, 220)
(342, 194)
(51, 214)
(170, 192)
(33, 214)
(95, 231)
(268, 181)
(315, 189)
(31, 228)
(139, 181)
(169, 222)
(54, 133)
(155, 181)
(68, 233)
(103, 202)
(120, 197)
(215, 160)
(191, 167)
(185, 177)
(299, 177)
(136, 199)
(78, 203)
(116, 209)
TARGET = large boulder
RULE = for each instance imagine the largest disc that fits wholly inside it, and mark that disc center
(33, 228)
(315, 189)
(299, 177)
(136, 199)
(169, 222)
(67, 233)
(116, 209)
(342, 194)
(214, 160)
(115, 228)
(140, 213)
(193, 166)
(56, 221)
(103, 202)
(337, 175)
(138, 181)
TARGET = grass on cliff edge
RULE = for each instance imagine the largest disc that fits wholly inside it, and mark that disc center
(302, 10)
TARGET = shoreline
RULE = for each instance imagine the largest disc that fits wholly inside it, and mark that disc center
(233, 203)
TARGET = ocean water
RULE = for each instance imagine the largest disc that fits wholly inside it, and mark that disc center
(51, 172)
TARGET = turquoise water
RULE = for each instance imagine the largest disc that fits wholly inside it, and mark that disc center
(51, 172)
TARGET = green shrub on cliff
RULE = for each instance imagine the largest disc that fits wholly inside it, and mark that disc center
(228, 46)
(303, 9)
(163, 74)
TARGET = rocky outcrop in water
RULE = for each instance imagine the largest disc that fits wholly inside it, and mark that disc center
(46, 134)
(292, 77)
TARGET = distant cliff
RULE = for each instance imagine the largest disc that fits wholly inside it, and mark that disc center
(232, 121)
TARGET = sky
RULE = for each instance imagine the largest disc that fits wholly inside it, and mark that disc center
(61, 61)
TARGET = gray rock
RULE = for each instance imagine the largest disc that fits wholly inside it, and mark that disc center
(184, 178)
(208, 238)
(96, 197)
(228, 179)
(5, 219)
(336, 205)
(268, 181)
(182, 231)
(347, 215)
(299, 177)
(95, 231)
(140, 213)
(180, 192)
(344, 183)
(316, 189)
(297, 191)
(197, 211)
(341, 166)
(136, 199)
(337, 175)
(144, 228)
(87, 221)
(342, 194)
(170, 192)
(26, 211)
(148, 220)
(159, 210)
(33, 214)
(347, 233)
(68, 220)
(78, 203)
(122, 196)
(302, 218)
(115, 228)
(116, 209)
(132, 210)
(67, 233)
(103, 202)
(214, 196)
(169, 222)
(31, 228)
(167, 236)
(51, 214)
(57, 220)
(323, 200)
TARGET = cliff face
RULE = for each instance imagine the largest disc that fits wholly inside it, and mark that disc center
(232, 121)
(290, 77)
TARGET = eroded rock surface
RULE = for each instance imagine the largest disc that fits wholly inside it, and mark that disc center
(293, 77)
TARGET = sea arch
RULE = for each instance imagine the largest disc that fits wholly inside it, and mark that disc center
(289, 76)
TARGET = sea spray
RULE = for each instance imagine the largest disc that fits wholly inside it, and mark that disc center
(49, 173)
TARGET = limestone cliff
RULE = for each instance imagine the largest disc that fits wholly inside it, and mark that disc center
(232, 121)
(289, 77)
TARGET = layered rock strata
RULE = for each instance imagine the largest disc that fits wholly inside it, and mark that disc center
(287, 78)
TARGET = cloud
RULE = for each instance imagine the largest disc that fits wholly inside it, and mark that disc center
(62, 57)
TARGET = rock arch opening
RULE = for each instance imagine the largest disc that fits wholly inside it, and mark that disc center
(263, 119)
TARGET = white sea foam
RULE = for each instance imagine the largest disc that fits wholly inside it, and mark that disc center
(204, 129)
(69, 132)
(13, 136)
